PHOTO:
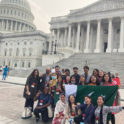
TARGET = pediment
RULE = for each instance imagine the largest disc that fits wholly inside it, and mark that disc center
(99, 6)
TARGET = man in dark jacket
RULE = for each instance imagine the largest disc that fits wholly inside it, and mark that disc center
(45, 79)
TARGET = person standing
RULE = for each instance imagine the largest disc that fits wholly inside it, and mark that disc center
(96, 73)
(67, 73)
(82, 80)
(44, 100)
(94, 81)
(57, 69)
(101, 74)
(45, 79)
(5, 70)
(1, 69)
(77, 76)
(86, 75)
(31, 88)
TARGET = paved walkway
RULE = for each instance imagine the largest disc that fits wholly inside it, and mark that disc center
(12, 103)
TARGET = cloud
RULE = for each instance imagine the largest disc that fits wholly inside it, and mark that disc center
(41, 18)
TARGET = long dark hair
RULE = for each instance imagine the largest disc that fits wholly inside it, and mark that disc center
(97, 71)
(61, 81)
(31, 76)
(110, 79)
(97, 81)
(74, 78)
(69, 103)
(101, 111)
(65, 80)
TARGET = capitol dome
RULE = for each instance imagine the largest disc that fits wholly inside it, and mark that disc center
(16, 16)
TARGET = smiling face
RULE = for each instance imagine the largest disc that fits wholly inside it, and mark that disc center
(95, 73)
(73, 79)
(62, 98)
(57, 70)
(75, 71)
(35, 73)
(82, 79)
(101, 73)
(93, 79)
(87, 100)
(106, 78)
(60, 79)
(71, 99)
(100, 101)
(67, 79)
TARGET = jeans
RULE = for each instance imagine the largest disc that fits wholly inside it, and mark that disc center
(44, 114)
(29, 103)
(4, 76)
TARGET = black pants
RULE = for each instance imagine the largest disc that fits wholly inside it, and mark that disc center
(29, 103)
(77, 120)
(113, 118)
(44, 115)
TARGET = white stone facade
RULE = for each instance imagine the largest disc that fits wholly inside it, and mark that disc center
(96, 28)
(23, 50)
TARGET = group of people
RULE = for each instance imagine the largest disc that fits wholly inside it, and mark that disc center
(49, 87)
(5, 72)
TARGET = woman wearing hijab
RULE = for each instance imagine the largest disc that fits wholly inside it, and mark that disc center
(94, 81)
(102, 111)
(31, 88)
(86, 111)
(59, 117)
(70, 110)
(58, 89)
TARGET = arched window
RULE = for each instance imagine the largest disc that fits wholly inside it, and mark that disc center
(5, 53)
(4, 63)
(17, 52)
(23, 64)
(29, 64)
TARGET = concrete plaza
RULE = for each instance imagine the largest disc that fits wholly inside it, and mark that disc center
(12, 103)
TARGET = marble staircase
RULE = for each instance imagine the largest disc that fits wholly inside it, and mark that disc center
(113, 62)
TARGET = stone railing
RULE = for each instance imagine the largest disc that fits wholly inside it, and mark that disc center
(59, 18)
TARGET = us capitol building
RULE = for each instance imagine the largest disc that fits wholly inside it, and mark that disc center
(96, 28)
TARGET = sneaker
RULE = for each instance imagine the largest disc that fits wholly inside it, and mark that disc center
(37, 120)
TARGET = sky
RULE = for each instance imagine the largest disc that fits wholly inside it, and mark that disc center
(43, 10)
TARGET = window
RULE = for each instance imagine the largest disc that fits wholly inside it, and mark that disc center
(4, 63)
(18, 13)
(31, 42)
(29, 64)
(6, 44)
(24, 53)
(11, 12)
(15, 64)
(15, 12)
(10, 53)
(17, 52)
(7, 11)
(30, 52)
(9, 63)
(25, 43)
(23, 64)
(5, 53)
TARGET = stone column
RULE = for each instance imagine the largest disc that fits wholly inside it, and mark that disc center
(86, 50)
(69, 35)
(82, 38)
(50, 43)
(65, 37)
(20, 25)
(91, 39)
(121, 47)
(58, 33)
(16, 26)
(97, 50)
(11, 25)
(7, 24)
(2, 24)
(109, 49)
(73, 40)
(78, 37)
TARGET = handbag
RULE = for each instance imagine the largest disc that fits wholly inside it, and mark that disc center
(50, 111)
(27, 113)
